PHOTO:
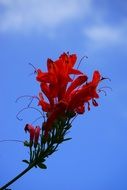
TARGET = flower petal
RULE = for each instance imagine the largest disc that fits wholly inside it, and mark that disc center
(76, 83)
(45, 106)
(36, 137)
(31, 130)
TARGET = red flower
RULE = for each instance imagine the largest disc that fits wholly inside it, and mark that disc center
(58, 111)
(84, 94)
(34, 134)
(54, 82)
(31, 130)
(65, 94)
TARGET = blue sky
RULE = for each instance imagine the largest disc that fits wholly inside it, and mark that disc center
(30, 32)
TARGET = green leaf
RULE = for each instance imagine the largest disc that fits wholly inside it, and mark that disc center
(42, 166)
(26, 161)
(68, 126)
(67, 139)
(43, 160)
(26, 143)
(71, 114)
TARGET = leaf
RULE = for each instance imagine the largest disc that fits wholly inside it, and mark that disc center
(67, 139)
(26, 161)
(42, 166)
(68, 126)
(26, 143)
(43, 160)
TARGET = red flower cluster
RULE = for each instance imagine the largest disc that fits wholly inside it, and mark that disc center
(34, 134)
(64, 93)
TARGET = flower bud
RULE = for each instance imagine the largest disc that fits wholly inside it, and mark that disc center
(36, 135)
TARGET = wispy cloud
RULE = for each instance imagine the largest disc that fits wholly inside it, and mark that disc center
(22, 15)
(48, 15)
(106, 35)
(103, 34)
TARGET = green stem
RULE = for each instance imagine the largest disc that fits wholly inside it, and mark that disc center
(18, 176)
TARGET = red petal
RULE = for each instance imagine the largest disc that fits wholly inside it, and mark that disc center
(37, 133)
(96, 78)
(80, 109)
(48, 92)
(31, 130)
(42, 76)
(49, 65)
(75, 71)
(45, 106)
(72, 59)
(58, 111)
(77, 82)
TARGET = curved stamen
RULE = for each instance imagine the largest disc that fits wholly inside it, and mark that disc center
(79, 64)
(30, 102)
(103, 78)
(11, 140)
(99, 90)
(108, 87)
(26, 109)
(35, 70)
(26, 96)
(81, 61)
(37, 119)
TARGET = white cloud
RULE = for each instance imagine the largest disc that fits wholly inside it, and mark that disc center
(103, 34)
(106, 35)
(39, 14)
(47, 15)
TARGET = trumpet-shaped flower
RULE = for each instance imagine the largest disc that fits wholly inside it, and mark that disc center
(65, 93)
(34, 134)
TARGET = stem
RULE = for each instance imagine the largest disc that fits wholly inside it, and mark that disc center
(18, 176)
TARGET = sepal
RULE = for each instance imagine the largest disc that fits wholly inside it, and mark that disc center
(67, 139)
(41, 165)
(26, 161)
(26, 143)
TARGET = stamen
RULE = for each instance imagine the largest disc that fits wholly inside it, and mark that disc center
(26, 96)
(103, 78)
(79, 64)
(103, 87)
(20, 119)
(35, 70)
(99, 90)
(37, 119)
(30, 102)
(81, 60)
(11, 140)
